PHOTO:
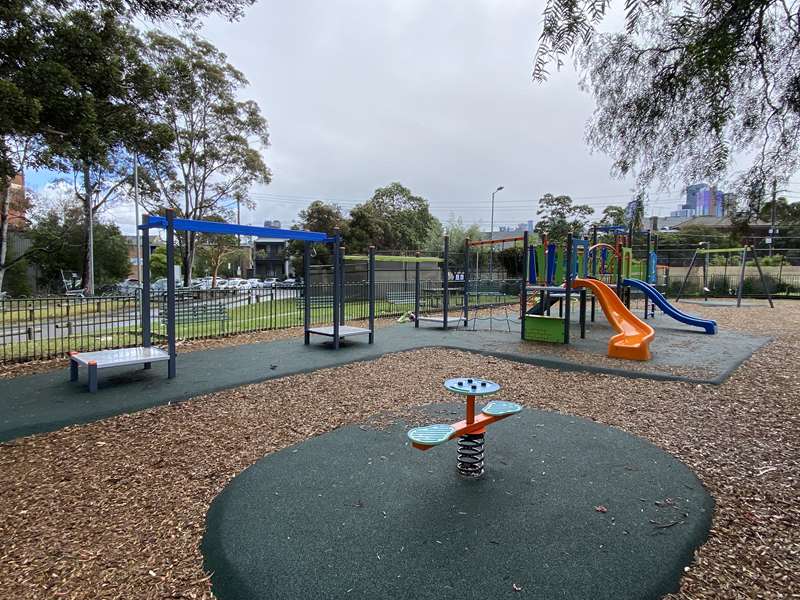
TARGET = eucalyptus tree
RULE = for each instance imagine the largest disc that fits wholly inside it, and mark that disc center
(216, 155)
(696, 90)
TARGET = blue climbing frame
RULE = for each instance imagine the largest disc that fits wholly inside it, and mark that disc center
(172, 224)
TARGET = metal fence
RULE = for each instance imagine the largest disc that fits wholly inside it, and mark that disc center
(49, 327)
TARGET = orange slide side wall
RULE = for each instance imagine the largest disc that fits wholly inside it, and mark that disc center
(632, 341)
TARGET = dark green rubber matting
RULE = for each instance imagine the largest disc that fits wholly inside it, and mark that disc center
(568, 508)
(49, 401)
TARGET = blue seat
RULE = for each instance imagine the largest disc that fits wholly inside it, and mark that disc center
(431, 435)
(501, 408)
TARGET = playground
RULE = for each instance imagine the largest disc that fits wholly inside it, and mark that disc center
(129, 515)
(584, 438)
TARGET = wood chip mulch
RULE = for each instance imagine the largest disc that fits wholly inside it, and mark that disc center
(116, 508)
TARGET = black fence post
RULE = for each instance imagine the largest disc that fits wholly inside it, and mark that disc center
(145, 304)
(446, 281)
(171, 365)
(371, 294)
(306, 293)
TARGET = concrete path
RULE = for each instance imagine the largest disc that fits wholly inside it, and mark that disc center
(46, 402)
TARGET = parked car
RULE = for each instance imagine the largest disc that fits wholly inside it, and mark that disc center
(289, 282)
(129, 287)
(270, 282)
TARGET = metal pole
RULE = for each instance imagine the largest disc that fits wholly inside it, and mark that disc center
(772, 214)
(171, 366)
(371, 294)
(491, 235)
(445, 280)
(568, 288)
(306, 293)
(466, 282)
(336, 298)
(136, 207)
(146, 335)
(523, 292)
(646, 270)
(417, 285)
(594, 266)
(686, 278)
(741, 279)
(761, 276)
(90, 288)
(583, 312)
(619, 266)
(343, 287)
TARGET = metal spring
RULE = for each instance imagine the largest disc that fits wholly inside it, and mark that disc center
(470, 455)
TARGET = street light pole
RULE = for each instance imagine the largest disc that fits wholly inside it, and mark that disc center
(491, 234)
(136, 209)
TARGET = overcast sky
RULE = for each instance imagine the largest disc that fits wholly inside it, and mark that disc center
(435, 94)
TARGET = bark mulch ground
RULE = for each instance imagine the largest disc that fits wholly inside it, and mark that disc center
(116, 508)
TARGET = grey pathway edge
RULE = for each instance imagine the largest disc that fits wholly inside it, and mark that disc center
(568, 509)
(48, 401)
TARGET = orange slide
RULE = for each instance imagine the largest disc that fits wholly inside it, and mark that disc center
(634, 337)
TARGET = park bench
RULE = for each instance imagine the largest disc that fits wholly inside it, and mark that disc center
(400, 297)
(197, 313)
(315, 302)
(104, 359)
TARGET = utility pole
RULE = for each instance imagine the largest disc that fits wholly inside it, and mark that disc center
(773, 215)
(491, 234)
(136, 205)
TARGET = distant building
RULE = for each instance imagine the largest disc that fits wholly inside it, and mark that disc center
(18, 208)
(703, 200)
(133, 253)
(270, 255)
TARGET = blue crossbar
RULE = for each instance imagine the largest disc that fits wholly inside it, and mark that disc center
(233, 229)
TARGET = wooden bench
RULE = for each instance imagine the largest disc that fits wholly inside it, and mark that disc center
(315, 302)
(104, 359)
(401, 297)
(197, 313)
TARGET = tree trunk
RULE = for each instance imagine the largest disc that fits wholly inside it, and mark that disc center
(5, 203)
(88, 255)
(187, 257)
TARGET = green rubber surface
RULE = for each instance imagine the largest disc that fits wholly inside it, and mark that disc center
(568, 509)
(49, 401)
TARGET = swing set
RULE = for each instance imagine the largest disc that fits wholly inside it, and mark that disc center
(743, 252)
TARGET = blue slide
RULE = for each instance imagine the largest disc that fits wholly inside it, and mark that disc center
(662, 303)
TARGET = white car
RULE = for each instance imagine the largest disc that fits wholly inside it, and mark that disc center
(270, 282)
(238, 283)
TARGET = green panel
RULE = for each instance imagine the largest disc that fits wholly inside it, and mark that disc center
(544, 329)
(627, 259)
(541, 265)
(561, 270)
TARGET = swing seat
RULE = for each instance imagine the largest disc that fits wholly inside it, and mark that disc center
(431, 435)
(501, 408)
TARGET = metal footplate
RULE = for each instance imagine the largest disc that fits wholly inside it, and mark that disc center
(501, 408)
(431, 435)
